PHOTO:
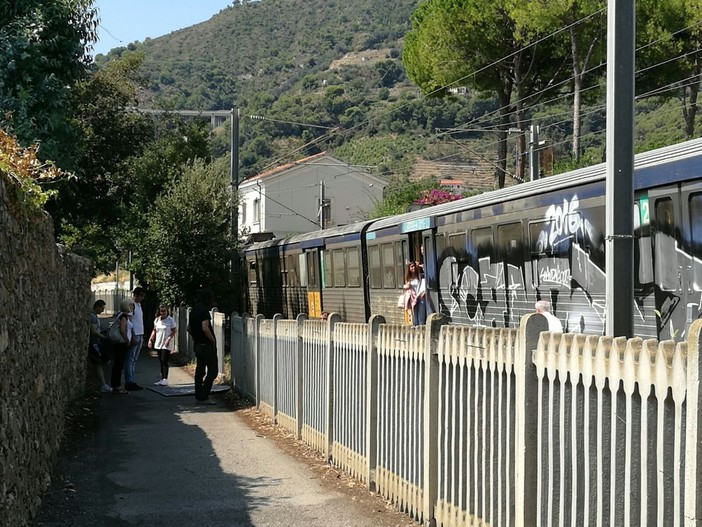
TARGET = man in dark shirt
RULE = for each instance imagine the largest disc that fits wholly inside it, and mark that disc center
(200, 328)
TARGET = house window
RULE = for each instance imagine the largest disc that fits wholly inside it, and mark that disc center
(243, 213)
(257, 211)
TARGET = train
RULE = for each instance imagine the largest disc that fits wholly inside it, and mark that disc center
(488, 258)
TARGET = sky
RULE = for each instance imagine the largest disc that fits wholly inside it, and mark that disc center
(124, 21)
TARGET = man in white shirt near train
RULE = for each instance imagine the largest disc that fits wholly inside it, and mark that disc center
(543, 307)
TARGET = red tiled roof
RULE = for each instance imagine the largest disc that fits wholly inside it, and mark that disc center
(450, 183)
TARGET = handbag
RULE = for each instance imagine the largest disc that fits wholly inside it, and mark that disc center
(401, 301)
(114, 334)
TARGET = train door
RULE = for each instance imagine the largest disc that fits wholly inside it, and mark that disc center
(431, 274)
(691, 200)
(671, 263)
(314, 285)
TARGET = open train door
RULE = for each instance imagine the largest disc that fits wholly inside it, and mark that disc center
(672, 263)
(422, 246)
(314, 286)
(431, 274)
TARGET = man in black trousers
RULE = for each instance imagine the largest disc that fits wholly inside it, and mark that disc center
(200, 329)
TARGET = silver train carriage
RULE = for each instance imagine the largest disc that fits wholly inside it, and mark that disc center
(488, 258)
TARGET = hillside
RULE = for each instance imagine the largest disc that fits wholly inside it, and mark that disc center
(265, 46)
(328, 75)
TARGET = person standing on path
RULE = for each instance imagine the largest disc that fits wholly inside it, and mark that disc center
(135, 346)
(97, 353)
(119, 349)
(200, 329)
(162, 340)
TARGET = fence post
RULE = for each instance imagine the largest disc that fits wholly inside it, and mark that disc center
(257, 355)
(237, 352)
(431, 416)
(218, 329)
(526, 404)
(372, 400)
(276, 318)
(693, 439)
(329, 381)
(298, 362)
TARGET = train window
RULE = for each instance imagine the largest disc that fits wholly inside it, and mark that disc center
(538, 237)
(339, 268)
(482, 241)
(696, 228)
(509, 243)
(328, 276)
(643, 261)
(292, 270)
(302, 266)
(353, 266)
(401, 256)
(457, 242)
(388, 266)
(376, 273)
(312, 269)
(666, 264)
(440, 242)
(283, 271)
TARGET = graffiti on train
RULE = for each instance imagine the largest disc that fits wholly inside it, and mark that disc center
(507, 292)
(564, 223)
(499, 293)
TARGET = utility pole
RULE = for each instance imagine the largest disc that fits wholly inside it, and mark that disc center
(619, 240)
(321, 204)
(234, 192)
(234, 171)
(534, 153)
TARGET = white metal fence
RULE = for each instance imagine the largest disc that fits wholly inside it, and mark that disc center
(463, 426)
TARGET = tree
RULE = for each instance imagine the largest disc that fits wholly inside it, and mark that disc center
(475, 42)
(399, 195)
(187, 244)
(668, 30)
(586, 31)
(88, 209)
(44, 52)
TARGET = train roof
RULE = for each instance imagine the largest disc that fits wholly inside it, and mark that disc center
(676, 156)
(313, 238)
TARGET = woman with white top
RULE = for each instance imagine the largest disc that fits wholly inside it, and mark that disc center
(414, 283)
(162, 340)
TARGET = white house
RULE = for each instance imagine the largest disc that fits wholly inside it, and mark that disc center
(287, 199)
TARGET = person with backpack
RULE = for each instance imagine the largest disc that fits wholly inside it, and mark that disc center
(120, 336)
(97, 346)
(200, 329)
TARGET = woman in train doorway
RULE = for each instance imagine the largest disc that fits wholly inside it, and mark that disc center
(414, 283)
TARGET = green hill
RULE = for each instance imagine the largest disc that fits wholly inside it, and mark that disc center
(336, 65)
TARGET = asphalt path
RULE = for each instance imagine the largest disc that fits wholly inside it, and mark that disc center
(151, 460)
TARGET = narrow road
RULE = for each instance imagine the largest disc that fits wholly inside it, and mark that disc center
(151, 460)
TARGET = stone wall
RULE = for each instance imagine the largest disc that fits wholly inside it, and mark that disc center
(44, 297)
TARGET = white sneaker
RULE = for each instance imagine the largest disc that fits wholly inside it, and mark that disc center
(106, 388)
(163, 382)
(158, 383)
